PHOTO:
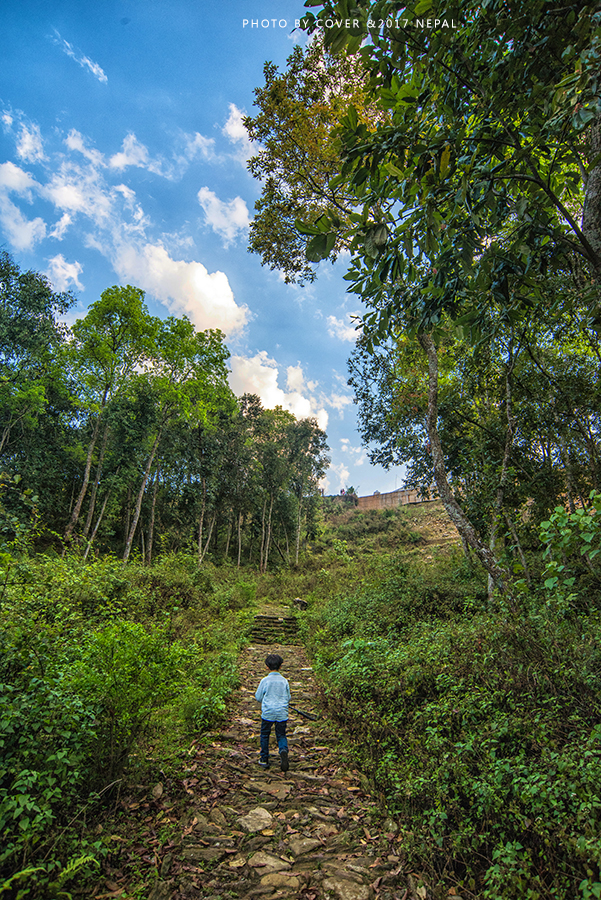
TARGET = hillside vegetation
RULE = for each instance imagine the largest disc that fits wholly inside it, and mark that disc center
(477, 727)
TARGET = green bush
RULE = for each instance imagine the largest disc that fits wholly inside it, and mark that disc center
(126, 672)
(204, 703)
(45, 737)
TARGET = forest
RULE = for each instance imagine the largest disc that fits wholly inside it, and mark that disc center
(147, 514)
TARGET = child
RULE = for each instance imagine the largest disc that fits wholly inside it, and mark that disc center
(273, 694)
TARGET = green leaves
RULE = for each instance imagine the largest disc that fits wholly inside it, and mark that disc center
(320, 247)
(375, 240)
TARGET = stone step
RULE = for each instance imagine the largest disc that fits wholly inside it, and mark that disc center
(270, 629)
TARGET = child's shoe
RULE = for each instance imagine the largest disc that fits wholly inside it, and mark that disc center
(284, 760)
(264, 763)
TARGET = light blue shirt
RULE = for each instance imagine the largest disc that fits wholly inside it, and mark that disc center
(273, 694)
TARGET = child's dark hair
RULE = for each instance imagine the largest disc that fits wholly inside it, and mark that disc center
(274, 661)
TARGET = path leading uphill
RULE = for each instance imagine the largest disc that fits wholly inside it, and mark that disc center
(311, 833)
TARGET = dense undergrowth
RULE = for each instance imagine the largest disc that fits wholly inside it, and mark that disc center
(96, 661)
(478, 725)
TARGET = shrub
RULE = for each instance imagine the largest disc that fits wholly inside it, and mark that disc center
(127, 672)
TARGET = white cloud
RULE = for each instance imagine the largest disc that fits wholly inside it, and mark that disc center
(196, 144)
(345, 331)
(111, 220)
(341, 473)
(259, 375)
(13, 178)
(227, 219)
(7, 120)
(295, 378)
(358, 453)
(339, 401)
(21, 232)
(29, 144)
(62, 274)
(84, 61)
(75, 141)
(185, 287)
(61, 226)
(236, 132)
(133, 153)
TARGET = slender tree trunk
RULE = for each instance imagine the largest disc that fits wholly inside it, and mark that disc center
(591, 216)
(239, 538)
(500, 494)
(96, 526)
(298, 530)
(152, 512)
(229, 534)
(84, 487)
(268, 538)
(96, 482)
(134, 524)
(262, 535)
(454, 511)
(202, 518)
(206, 546)
(519, 548)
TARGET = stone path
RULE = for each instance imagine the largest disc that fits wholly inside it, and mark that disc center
(311, 833)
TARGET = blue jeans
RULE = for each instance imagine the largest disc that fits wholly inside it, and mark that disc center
(280, 733)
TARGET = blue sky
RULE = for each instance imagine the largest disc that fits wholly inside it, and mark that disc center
(123, 161)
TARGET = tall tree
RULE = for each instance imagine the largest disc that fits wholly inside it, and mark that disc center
(109, 344)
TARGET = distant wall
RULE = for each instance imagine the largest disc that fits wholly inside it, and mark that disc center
(395, 498)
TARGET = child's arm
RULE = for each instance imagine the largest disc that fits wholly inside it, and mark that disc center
(260, 692)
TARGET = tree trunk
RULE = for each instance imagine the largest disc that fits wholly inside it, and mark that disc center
(206, 546)
(86, 479)
(454, 511)
(202, 519)
(229, 534)
(96, 482)
(262, 536)
(519, 548)
(591, 216)
(268, 538)
(239, 538)
(151, 523)
(298, 531)
(96, 526)
(134, 524)
(500, 494)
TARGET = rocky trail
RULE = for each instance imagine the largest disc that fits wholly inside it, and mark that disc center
(310, 833)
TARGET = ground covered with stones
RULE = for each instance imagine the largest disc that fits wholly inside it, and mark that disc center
(311, 833)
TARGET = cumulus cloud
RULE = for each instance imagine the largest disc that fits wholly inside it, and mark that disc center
(84, 61)
(226, 218)
(21, 232)
(63, 274)
(235, 131)
(259, 375)
(185, 287)
(133, 153)
(29, 144)
(343, 330)
(112, 221)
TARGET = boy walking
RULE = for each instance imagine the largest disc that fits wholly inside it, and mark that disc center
(273, 694)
